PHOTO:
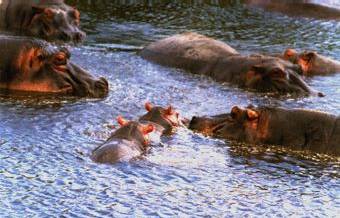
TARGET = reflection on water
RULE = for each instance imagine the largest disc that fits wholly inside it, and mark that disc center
(44, 165)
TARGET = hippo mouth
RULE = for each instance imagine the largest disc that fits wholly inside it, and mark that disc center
(78, 83)
(209, 126)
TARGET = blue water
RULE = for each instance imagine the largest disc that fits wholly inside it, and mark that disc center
(45, 169)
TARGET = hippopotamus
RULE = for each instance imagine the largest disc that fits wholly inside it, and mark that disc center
(320, 9)
(127, 142)
(166, 120)
(295, 128)
(48, 19)
(312, 63)
(35, 66)
(202, 55)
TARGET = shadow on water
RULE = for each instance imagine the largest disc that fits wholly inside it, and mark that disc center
(45, 142)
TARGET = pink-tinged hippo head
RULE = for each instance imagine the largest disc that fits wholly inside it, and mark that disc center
(36, 66)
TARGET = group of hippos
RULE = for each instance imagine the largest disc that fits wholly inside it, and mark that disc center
(31, 65)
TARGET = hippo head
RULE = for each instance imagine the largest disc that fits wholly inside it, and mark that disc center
(133, 131)
(277, 76)
(167, 118)
(239, 125)
(41, 68)
(55, 22)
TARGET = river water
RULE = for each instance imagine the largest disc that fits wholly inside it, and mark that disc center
(45, 168)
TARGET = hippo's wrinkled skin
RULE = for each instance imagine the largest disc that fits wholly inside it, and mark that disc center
(297, 128)
(126, 143)
(202, 55)
(31, 65)
(312, 63)
(166, 120)
(49, 19)
(321, 9)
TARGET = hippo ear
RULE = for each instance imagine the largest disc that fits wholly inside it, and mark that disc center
(235, 112)
(41, 9)
(252, 115)
(169, 110)
(289, 53)
(308, 55)
(148, 106)
(122, 121)
(147, 129)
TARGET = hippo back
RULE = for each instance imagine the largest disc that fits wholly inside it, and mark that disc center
(334, 147)
(116, 150)
(190, 51)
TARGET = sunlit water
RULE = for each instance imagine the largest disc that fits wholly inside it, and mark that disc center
(45, 168)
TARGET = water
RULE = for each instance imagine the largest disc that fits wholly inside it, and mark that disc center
(45, 168)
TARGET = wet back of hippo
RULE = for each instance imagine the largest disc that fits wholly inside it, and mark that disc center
(3, 7)
(304, 130)
(189, 51)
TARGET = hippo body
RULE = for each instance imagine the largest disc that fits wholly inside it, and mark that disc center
(127, 142)
(296, 128)
(48, 19)
(202, 55)
(312, 63)
(35, 66)
(320, 9)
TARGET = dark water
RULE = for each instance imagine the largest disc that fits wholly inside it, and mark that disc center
(44, 165)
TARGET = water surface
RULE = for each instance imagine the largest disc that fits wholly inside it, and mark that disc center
(45, 168)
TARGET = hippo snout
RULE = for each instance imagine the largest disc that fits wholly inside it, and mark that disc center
(101, 88)
(193, 122)
(79, 36)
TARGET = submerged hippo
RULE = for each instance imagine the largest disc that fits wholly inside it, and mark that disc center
(297, 128)
(312, 63)
(49, 19)
(321, 9)
(31, 65)
(166, 120)
(126, 143)
(202, 55)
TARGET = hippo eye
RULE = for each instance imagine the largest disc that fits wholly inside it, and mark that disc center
(41, 57)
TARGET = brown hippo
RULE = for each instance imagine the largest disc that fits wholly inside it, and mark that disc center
(321, 9)
(166, 120)
(31, 65)
(312, 63)
(127, 142)
(202, 55)
(49, 19)
(297, 128)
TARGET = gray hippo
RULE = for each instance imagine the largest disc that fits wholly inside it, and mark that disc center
(296, 128)
(312, 63)
(320, 9)
(49, 19)
(34, 66)
(202, 55)
(128, 142)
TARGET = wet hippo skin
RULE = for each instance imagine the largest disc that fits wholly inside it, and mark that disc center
(48, 19)
(166, 120)
(202, 55)
(126, 143)
(312, 63)
(35, 66)
(320, 9)
(296, 128)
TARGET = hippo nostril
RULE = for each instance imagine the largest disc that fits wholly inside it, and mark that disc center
(101, 87)
(78, 36)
